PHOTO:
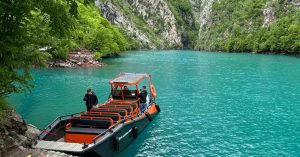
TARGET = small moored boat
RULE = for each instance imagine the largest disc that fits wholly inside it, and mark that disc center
(106, 129)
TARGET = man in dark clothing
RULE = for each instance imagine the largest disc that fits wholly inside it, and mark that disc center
(90, 99)
(126, 91)
(143, 99)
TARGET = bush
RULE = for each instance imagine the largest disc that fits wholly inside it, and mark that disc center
(3, 107)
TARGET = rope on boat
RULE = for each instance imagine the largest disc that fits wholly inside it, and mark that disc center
(50, 133)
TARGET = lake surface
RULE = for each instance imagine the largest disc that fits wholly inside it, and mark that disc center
(213, 104)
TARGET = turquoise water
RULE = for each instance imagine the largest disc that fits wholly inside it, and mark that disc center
(213, 104)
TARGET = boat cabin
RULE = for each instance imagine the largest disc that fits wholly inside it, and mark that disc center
(126, 86)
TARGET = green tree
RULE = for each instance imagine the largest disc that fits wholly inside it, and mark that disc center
(58, 25)
(19, 40)
(96, 33)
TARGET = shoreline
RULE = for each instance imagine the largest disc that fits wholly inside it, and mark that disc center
(82, 58)
(217, 51)
(76, 59)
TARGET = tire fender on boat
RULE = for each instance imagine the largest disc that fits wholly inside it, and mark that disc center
(116, 143)
(149, 117)
(68, 126)
(153, 90)
(135, 132)
(157, 108)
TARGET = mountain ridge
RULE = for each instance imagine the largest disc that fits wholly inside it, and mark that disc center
(244, 26)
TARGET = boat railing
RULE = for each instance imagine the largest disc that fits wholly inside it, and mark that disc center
(48, 128)
(108, 130)
(112, 127)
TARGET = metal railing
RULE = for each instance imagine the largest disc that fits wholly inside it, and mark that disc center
(108, 130)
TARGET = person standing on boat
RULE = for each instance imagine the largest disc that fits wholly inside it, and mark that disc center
(90, 99)
(143, 99)
(126, 91)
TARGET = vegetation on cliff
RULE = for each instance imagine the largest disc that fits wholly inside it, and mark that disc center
(96, 33)
(140, 23)
(225, 25)
(3, 107)
(238, 26)
(185, 19)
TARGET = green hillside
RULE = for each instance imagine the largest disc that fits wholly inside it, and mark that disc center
(238, 26)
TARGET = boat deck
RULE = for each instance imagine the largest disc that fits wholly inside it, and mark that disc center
(58, 146)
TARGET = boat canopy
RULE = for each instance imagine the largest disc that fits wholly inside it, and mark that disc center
(129, 78)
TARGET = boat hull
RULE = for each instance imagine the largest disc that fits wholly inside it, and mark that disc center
(119, 139)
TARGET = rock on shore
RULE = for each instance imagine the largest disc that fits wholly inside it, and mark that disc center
(16, 138)
(79, 58)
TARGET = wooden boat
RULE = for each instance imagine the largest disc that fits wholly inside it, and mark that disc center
(108, 128)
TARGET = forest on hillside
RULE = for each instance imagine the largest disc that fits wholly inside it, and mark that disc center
(240, 27)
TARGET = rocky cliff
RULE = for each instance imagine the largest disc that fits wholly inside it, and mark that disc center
(225, 25)
(150, 22)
